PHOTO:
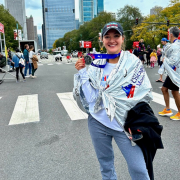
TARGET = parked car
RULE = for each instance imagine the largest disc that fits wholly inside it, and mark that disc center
(44, 55)
(75, 54)
(58, 57)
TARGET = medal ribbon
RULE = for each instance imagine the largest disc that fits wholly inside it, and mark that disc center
(103, 56)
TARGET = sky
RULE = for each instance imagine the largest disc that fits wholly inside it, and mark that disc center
(34, 7)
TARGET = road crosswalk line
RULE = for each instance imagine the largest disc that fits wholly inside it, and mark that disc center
(26, 110)
(71, 107)
(158, 98)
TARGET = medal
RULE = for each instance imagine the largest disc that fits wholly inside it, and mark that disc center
(90, 57)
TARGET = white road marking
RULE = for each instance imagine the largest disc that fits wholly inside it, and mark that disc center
(50, 64)
(40, 64)
(0, 97)
(26, 110)
(71, 106)
(158, 98)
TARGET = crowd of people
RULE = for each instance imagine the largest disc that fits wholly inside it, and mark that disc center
(147, 55)
(22, 62)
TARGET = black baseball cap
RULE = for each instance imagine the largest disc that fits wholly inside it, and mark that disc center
(112, 25)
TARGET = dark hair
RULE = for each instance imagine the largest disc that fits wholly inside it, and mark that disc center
(17, 50)
(25, 46)
(175, 31)
(31, 47)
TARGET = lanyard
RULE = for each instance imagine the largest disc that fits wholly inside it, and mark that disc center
(103, 56)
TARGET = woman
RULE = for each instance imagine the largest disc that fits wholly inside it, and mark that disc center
(18, 65)
(159, 54)
(107, 91)
(32, 60)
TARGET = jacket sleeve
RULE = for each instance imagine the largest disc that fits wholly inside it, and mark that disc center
(26, 55)
(89, 92)
(174, 58)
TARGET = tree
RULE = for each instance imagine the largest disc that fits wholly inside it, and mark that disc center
(126, 17)
(9, 23)
(88, 32)
(152, 33)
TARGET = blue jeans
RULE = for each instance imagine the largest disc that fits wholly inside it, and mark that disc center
(102, 140)
(27, 66)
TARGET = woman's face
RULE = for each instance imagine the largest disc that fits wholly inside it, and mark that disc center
(113, 41)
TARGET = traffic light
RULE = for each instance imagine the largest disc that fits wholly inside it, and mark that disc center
(167, 22)
(136, 21)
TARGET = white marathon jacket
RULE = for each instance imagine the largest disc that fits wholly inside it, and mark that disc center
(127, 85)
(172, 62)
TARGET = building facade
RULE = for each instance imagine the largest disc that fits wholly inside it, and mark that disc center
(58, 19)
(18, 11)
(30, 28)
(39, 42)
(35, 34)
(89, 9)
(100, 6)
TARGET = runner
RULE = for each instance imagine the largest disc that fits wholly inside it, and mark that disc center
(165, 44)
(108, 91)
(171, 63)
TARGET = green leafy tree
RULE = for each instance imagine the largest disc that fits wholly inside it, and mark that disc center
(9, 23)
(152, 33)
(127, 17)
(88, 32)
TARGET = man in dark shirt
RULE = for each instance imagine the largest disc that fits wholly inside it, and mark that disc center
(148, 53)
(136, 51)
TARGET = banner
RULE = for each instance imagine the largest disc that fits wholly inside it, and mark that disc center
(1, 28)
(19, 35)
(6, 53)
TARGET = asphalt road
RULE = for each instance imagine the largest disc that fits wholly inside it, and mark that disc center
(57, 148)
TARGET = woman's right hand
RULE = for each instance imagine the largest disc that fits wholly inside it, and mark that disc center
(80, 64)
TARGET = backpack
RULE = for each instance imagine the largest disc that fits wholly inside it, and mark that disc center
(21, 61)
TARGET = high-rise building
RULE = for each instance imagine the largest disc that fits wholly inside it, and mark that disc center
(39, 42)
(30, 28)
(100, 6)
(43, 37)
(35, 34)
(58, 19)
(155, 10)
(18, 11)
(89, 9)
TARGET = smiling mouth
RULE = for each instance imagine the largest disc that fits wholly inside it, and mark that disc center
(112, 45)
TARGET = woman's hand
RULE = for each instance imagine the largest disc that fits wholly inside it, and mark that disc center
(80, 64)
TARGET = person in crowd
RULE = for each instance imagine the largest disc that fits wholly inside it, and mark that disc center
(148, 52)
(141, 42)
(136, 51)
(165, 44)
(33, 60)
(141, 53)
(11, 64)
(171, 61)
(16, 58)
(27, 63)
(153, 57)
(106, 91)
(159, 54)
